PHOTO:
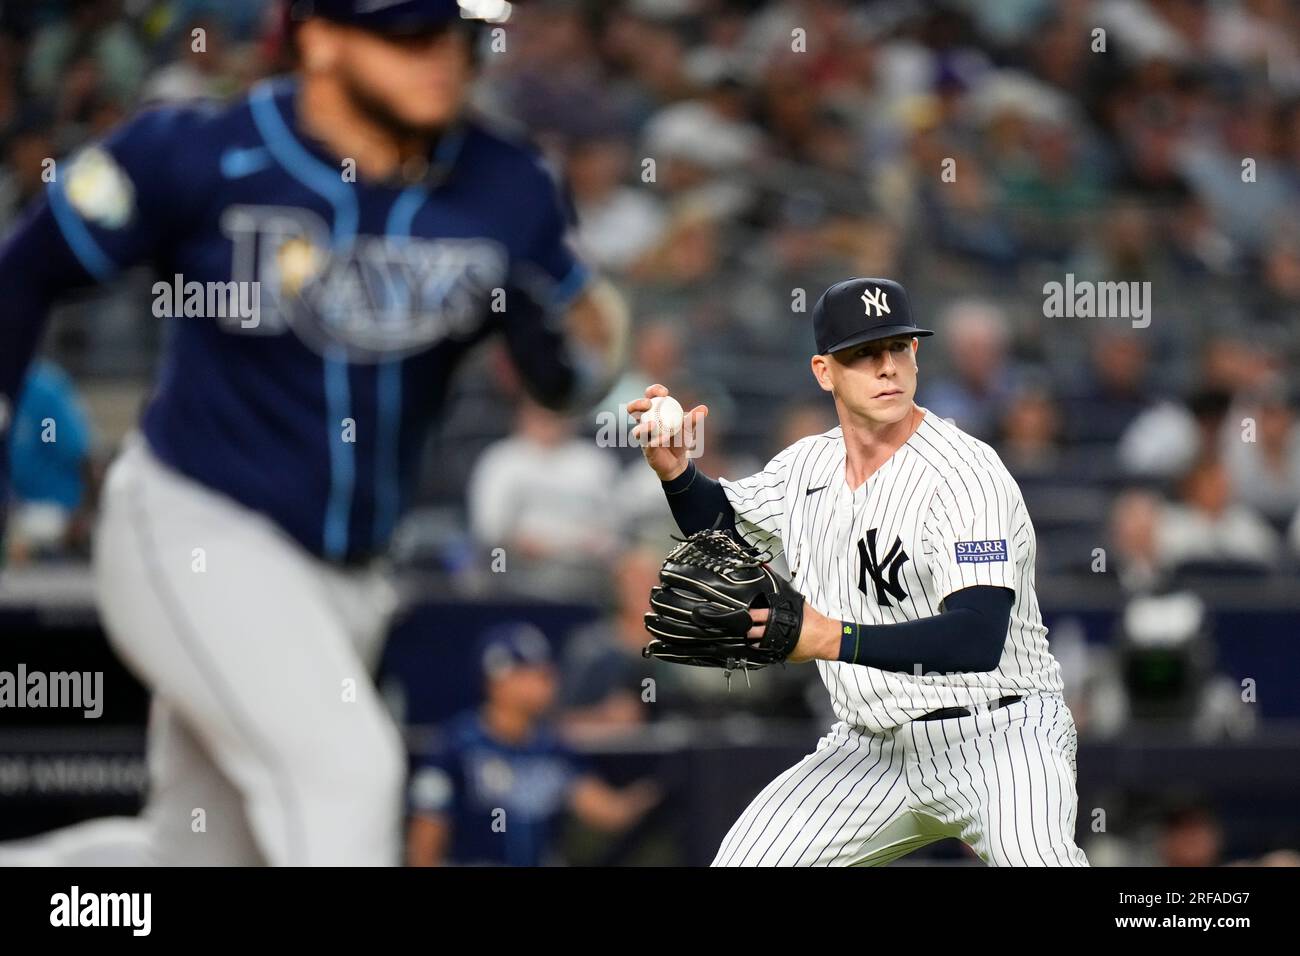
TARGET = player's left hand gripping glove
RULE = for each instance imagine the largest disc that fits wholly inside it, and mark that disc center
(699, 612)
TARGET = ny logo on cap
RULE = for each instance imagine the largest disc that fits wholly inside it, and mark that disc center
(876, 299)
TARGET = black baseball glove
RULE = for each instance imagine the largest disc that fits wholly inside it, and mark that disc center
(699, 612)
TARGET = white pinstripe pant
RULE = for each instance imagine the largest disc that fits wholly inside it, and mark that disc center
(1001, 781)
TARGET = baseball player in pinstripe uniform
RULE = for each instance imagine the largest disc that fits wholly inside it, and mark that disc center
(914, 552)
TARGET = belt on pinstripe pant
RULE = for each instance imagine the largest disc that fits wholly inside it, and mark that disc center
(946, 713)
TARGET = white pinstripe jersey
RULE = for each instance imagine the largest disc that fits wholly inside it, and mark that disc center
(941, 514)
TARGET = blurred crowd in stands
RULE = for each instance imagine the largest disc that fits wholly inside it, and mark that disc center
(730, 159)
(726, 179)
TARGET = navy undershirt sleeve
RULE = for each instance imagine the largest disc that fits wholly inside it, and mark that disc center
(698, 502)
(966, 638)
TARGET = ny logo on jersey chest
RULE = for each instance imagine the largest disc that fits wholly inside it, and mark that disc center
(883, 571)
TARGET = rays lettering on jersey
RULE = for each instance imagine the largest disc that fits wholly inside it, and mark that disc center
(892, 563)
(533, 787)
(378, 298)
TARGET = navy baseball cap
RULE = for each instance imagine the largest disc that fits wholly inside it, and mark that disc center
(383, 16)
(861, 310)
(504, 647)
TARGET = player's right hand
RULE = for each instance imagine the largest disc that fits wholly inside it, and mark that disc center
(667, 455)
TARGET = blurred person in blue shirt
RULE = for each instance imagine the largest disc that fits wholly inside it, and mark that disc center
(48, 458)
(502, 780)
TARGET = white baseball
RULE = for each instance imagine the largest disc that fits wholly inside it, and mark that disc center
(666, 415)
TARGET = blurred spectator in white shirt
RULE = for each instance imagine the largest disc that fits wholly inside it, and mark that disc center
(546, 499)
(1205, 526)
(617, 223)
(704, 148)
(1164, 440)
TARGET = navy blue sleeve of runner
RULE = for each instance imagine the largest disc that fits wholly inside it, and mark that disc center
(35, 267)
(699, 502)
(107, 207)
(965, 638)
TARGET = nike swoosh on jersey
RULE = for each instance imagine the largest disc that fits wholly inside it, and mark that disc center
(814, 490)
(237, 163)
